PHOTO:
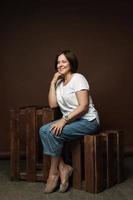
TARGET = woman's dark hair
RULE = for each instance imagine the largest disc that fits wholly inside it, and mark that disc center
(71, 57)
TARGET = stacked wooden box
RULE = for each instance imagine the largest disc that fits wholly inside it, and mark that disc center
(26, 149)
(97, 159)
(99, 162)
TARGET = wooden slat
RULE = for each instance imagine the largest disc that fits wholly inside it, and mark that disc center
(39, 148)
(31, 145)
(120, 157)
(47, 116)
(118, 134)
(39, 176)
(22, 132)
(76, 163)
(15, 144)
(100, 163)
(111, 147)
(89, 164)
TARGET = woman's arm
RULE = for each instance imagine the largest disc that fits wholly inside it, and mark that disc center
(52, 100)
(52, 96)
(83, 100)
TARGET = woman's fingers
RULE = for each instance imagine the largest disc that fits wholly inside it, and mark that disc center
(58, 130)
(55, 129)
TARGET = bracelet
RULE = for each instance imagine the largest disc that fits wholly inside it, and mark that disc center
(66, 118)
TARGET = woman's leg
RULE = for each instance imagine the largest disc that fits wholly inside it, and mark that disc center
(54, 167)
(70, 132)
(52, 181)
(53, 145)
(61, 163)
(49, 146)
(65, 172)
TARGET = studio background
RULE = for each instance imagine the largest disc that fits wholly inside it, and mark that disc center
(100, 34)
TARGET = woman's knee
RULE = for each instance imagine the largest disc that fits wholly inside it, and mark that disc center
(43, 130)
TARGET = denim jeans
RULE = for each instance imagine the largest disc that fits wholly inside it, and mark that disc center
(53, 145)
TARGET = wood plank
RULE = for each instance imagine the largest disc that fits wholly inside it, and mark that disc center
(22, 134)
(46, 167)
(100, 163)
(47, 116)
(31, 145)
(39, 148)
(39, 176)
(111, 147)
(14, 145)
(76, 163)
(119, 153)
(120, 157)
(89, 164)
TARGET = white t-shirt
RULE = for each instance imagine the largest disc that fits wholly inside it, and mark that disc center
(67, 99)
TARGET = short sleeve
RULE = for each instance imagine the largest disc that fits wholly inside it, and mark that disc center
(80, 83)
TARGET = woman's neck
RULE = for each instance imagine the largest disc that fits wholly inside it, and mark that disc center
(67, 78)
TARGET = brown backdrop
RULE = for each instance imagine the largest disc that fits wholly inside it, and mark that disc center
(100, 34)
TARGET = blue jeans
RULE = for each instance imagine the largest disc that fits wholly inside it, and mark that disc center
(53, 145)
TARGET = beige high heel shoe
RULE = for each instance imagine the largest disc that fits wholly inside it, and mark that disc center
(65, 175)
(51, 184)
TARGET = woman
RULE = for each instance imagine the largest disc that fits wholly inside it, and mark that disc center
(70, 91)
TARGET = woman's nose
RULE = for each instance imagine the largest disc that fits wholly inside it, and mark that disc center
(60, 65)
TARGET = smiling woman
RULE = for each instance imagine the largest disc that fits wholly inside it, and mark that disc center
(69, 58)
(70, 91)
(64, 68)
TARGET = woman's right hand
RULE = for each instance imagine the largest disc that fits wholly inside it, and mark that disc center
(52, 98)
(56, 76)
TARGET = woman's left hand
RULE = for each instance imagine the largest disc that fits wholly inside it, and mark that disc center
(57, 127)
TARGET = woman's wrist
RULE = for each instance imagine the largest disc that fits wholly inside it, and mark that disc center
(53, 83)
(66, 118)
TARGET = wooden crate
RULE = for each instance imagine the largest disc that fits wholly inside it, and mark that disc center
(26, 164)
(97, 159)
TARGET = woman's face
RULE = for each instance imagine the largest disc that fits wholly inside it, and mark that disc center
(63, 65)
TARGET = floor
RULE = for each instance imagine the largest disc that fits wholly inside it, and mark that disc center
(21, 190)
